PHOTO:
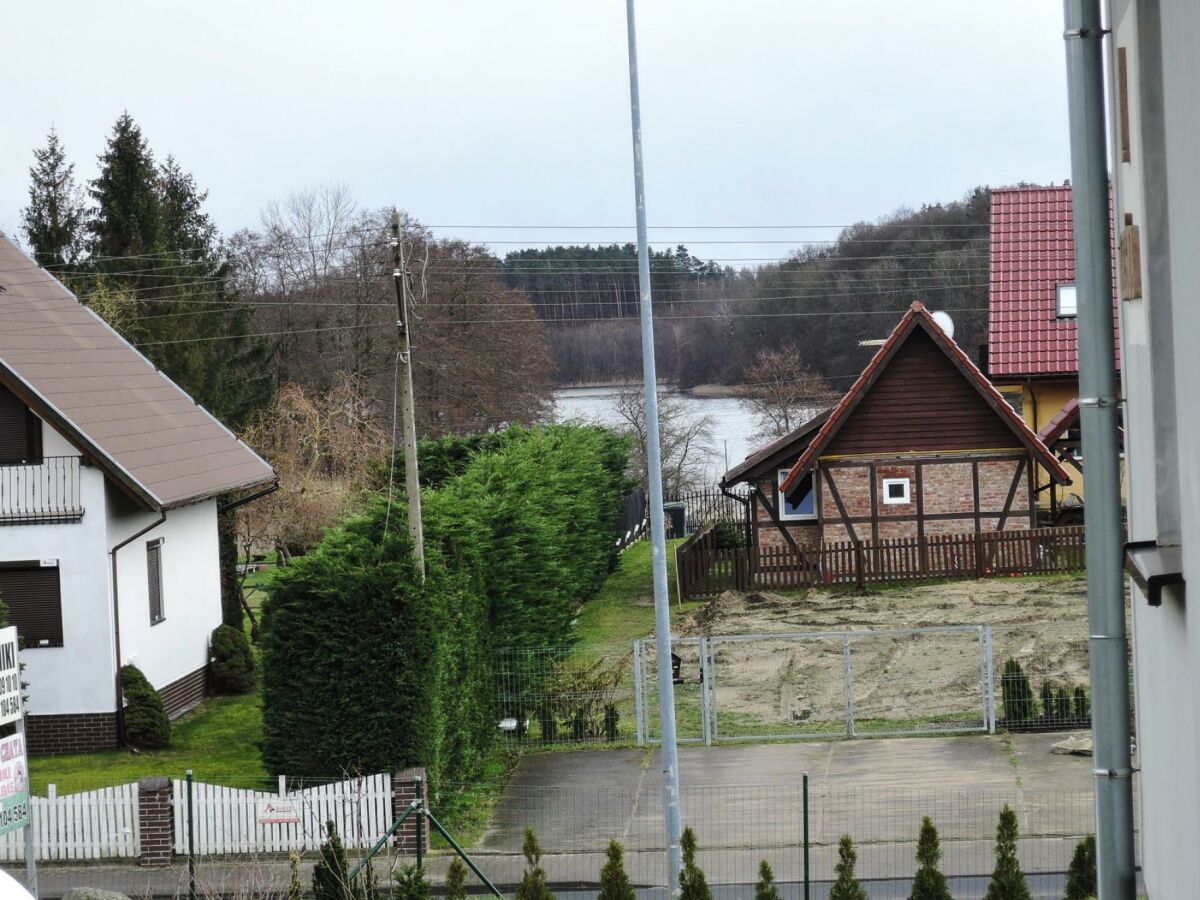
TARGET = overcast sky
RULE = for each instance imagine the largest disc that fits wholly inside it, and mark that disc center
(476, 112)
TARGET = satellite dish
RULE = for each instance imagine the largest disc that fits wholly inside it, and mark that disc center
(945, 323)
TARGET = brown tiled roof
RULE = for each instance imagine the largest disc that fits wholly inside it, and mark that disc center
(76, 372)
(919, 317)
(791, 443)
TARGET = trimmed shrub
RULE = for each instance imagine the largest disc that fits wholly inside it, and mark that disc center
(533, 880)
(729, 535)
(231, 661)
(1083, 707)
(612, 722)
(295, 890)
(1047, 699)
(411, 884)
(1008, 881)
(765, 888)
(146, 724)
(456, 880)
(692, 883)
(1081, 874)
(929, 883)
(331, 874)
(1062, 704)
(1016, 693)
(846, 886)
(614, 881)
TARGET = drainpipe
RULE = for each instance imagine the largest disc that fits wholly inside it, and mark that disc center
(1098, 406)
(116, 606)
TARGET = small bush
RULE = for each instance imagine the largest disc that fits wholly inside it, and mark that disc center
(612, 722)
(295, 890)
(929, 883)
(146, 724)
(533, 882)
(766, 889)
(614, 881)
(1008, 881)
(331, 874)
(231, 661)
(456, 880)
(846, 887)
(1047, 699)
(692, 883)
(1062, 704)
(1081, 874)
(1016, 693)
(411, 884)
(729, 535)
(1083, 707)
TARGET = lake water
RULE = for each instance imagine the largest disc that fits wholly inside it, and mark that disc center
(733, 423)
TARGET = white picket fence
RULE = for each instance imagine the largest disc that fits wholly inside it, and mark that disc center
(234, 820)
(88, 825)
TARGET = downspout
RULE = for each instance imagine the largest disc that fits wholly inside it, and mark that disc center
(1037, 428)
(116, 606)
(1108, 647)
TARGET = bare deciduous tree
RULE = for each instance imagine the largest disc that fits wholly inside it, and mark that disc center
(783, 393)
(684, 436)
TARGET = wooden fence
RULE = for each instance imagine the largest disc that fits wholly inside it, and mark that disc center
(86, 825)
(704, 569)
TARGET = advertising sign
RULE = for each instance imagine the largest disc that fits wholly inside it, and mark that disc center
(14, 784)
(278, 812)
(10, 677)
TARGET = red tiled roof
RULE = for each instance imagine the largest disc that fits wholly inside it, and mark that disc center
(919, 317)
(1063, 420)
(1032, 251)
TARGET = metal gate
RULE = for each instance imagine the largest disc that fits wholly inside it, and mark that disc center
(821, 684)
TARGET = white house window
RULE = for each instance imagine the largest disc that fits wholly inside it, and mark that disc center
(1064, 300)
(30, 588)
(154, 580)
(800, 504)
(896, 490)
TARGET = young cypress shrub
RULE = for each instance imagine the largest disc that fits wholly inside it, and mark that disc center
(146, 724)
(1081, 874)
(331, 874)
(1008, 881)
(1062, 705)
(846, 886)
(614, 881)
(456, 880)
(231, 661)
(1016, 694)
(929, 883)
(295, 890)
(765, 888)
(1047, 699)
(692, 883)
(533, 881)
(1082, 706)
(411, 884)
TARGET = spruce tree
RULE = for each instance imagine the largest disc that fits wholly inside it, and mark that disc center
(54, 220)
(1081, 874)
(929, 883)
(1008, 881)
(766, 889)
(533, 882)
(614, 881)
(411, 884)
(692, 883)
(1017, 695)
(456, 880)
(846, 886)
(128, 208)
(331, 874)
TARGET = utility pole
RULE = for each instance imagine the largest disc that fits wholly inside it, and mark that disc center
(669, 750)
(408, 415)
(1108, 646)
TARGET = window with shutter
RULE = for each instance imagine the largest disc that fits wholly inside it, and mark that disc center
(20, 432)
(154, 580)
(31, 592)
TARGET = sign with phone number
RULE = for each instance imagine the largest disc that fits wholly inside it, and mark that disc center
(14, 784)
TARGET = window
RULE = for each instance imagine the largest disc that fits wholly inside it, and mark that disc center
(1064, 300)
(154, 579)
(800, 504)
(31, 591)
(895, 490)
(20, 432)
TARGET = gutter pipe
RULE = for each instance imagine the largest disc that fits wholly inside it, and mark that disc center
(234, 504)
(1098, 404)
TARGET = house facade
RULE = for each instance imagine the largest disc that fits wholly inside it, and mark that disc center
(109, 479)
(921, 445)
(1155, 145)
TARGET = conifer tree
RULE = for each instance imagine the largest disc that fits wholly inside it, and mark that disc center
(692, 883)
(128, 209)
(1008, 881)
(846, 886)
(456, 880)
(929, 883)
(614, 881)
(1081, 874)
(766, 889)
(411, 884)
(533, 882)
(54, 220)
(295, 891)
(331, 874)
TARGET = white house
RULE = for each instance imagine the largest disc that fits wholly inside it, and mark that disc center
(109, 475)
(1155, 149)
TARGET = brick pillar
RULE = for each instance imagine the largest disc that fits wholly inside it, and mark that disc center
(405, 787)
(156, 822)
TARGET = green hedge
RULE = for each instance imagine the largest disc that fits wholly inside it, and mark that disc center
(366, 668)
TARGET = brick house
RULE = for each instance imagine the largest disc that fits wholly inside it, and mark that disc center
(921, 444)
(109, 479)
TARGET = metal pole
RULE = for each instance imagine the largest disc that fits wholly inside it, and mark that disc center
(638, 709)
(31, 880)
(806, 869)
(417, 790)
(191, 826)
(1098, 405)
(848, 684)
(658, 538)
(407, 412)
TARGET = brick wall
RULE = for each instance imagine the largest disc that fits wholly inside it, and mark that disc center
(405, 789)
(80, 733)
(803, 533)
(156, 824)
(184, 693)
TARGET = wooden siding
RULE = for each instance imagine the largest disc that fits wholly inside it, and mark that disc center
(921, 402)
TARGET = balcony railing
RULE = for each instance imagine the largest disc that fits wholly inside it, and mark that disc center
(43, 493)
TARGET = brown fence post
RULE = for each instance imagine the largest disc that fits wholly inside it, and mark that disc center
(156, 822)
(409, 785)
